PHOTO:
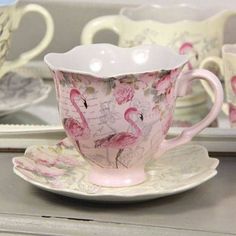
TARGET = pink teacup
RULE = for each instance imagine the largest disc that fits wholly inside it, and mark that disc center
(116, 105)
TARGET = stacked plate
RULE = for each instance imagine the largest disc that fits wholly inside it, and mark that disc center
(18, 92)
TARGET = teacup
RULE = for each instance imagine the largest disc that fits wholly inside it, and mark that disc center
(10, 17)
(116, 105)
(227, 67)
(197, 32)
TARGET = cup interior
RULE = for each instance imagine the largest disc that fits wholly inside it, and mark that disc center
(106, 60)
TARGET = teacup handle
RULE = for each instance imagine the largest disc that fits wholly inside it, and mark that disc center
(111, 22)
(27, 56)
(219, 63)
(188, 133)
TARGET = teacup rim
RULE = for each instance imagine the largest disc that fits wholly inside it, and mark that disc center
(184, 21)
(11, 3)
(48, 58)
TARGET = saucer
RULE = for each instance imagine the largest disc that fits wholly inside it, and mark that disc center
(60, 169)
(18, 92)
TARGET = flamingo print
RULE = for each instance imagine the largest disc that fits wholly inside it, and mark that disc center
(187, 48)
(74, 128)
(122, 140)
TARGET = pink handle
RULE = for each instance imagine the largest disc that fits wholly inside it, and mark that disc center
(188, 133)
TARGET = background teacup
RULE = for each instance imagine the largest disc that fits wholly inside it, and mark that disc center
(10, 17)
(227, 67)
(116, 105)
(196, 32)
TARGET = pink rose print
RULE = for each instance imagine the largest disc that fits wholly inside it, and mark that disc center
(232, 113)
(233, 84)
(123, 93)
(163, 84)
(167, 123)
(145, 78)
(148, 77)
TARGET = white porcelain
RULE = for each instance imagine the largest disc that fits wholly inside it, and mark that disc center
(18, 92)
(60, 169)
(107, 60)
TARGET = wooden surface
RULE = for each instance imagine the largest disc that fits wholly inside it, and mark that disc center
(209, 209)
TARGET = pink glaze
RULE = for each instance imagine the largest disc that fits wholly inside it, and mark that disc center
(117, 177)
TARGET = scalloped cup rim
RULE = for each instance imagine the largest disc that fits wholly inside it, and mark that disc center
(160, 7)
(135, 60)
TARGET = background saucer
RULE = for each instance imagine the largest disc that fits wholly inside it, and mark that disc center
(18, 92)
(61, 170)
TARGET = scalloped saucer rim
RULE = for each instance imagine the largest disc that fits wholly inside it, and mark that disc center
(139, 192)
(117, 198)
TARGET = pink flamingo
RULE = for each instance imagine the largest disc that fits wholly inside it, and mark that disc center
(123, 139)
(74, 128)
(186, 48)
(233, 83)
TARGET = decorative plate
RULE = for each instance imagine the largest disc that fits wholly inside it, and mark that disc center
(18, 92)
(60, 169)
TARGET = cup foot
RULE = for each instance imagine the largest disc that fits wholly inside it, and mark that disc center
(116, 177)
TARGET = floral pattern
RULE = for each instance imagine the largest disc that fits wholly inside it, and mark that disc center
(123, 93)
(108, 119)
